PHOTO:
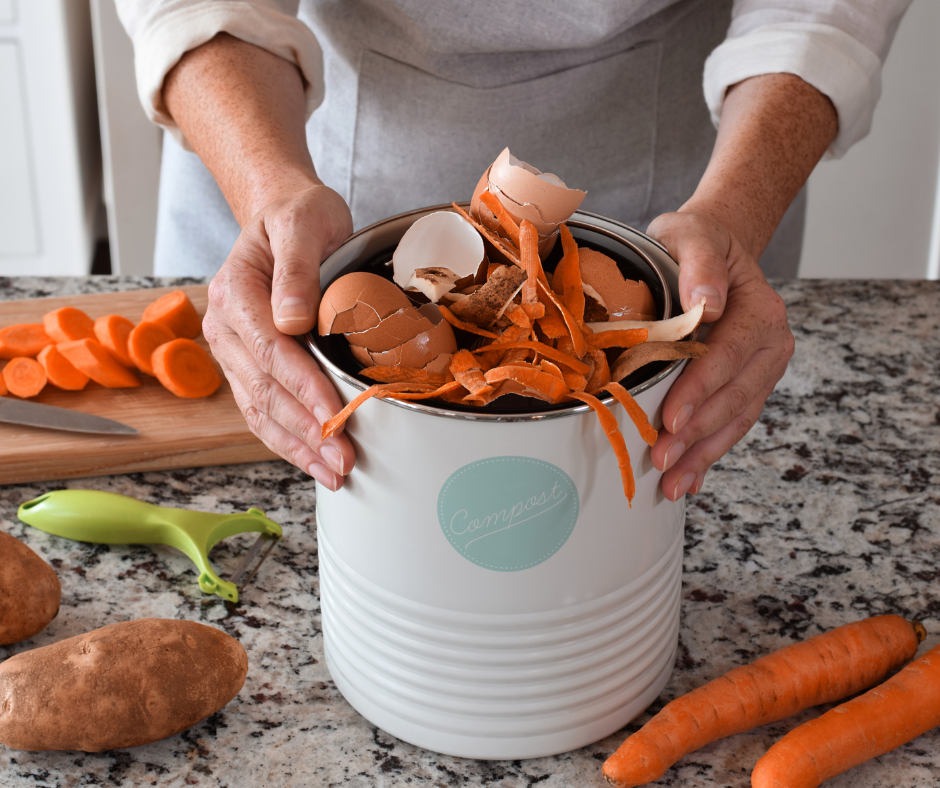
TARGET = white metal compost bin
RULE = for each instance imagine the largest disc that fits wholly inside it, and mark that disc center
(486, 592)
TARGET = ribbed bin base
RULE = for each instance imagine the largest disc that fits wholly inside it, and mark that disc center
(505, 686)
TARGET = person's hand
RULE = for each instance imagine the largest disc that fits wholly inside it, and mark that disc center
(718, 398)
(267, 292)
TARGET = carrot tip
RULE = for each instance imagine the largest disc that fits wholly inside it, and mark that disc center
(920, 630)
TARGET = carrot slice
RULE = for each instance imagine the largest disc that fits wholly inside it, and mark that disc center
(23, 339)
(456, 322)
(177, 313)
(185, 368)
(143, 340)
(508, 224)
(634, 411)
(60, 371)
(24, 377)
(90, 356)
(68, 324)
(543, 350)
(112, 332)
(627, 337)
(617, 443)
(3, 385)
(822, 669)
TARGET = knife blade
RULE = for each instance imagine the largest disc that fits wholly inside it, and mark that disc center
(33, 414)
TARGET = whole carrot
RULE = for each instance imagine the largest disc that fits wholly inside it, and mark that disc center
(891, 714)
(823, 669)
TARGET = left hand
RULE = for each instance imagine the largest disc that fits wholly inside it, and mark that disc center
(718, 398)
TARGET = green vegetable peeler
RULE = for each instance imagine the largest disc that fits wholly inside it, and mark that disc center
(108, 518)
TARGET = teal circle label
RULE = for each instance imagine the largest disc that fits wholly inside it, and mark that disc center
(508, 513)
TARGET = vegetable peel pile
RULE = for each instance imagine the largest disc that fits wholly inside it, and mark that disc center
(565, 337)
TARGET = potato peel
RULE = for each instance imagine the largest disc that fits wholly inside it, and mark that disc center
(646, 353)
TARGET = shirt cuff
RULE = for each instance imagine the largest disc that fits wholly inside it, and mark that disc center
(163, 42)
(826, 57)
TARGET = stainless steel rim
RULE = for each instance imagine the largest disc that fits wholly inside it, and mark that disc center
(577, 220)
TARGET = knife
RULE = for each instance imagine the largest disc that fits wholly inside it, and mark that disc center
(32, 414)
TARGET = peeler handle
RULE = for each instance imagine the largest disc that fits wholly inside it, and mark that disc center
(95, 516)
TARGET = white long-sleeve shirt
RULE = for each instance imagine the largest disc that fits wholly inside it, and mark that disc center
(838, 46)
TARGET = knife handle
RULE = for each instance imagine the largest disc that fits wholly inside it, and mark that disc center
(96, 516)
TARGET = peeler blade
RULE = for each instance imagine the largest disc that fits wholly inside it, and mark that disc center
(245, 567)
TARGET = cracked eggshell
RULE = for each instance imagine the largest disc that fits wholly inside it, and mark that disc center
(357, 302)
(623, 298)
(427, 348)
(442, 239)
(524, 185)
(433, 282)
(395, 330)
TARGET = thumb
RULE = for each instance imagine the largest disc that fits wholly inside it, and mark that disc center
(302, 234)
(701, 247)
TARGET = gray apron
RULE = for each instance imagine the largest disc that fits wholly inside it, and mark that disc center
(422, 96)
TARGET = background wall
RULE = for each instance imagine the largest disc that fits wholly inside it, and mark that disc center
(874, 213)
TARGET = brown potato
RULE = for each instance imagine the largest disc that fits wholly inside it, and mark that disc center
(29, 591)
(119, 686)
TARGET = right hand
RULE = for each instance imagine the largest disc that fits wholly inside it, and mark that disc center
(267, 292)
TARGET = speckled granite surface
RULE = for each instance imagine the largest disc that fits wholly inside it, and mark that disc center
(828, 511)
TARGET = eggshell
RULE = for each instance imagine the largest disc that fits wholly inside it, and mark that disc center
(442, 239)
(524, 184)
(477, 209)
(623, 299)
(357, 302)
(433, 282)
(395, 330)
(419, 351)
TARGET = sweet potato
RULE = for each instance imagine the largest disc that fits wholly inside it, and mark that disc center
(119, 686)
(29, 592)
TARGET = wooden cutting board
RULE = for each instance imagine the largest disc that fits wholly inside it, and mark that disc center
(174, 432)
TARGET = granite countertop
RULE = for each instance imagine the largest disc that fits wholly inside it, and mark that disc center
(827, 512)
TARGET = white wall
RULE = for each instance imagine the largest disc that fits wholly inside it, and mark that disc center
(872, 214)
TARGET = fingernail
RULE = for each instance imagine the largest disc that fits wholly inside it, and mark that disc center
(710, 294)
(699, 481)
(682, 418)
(334, 458)
(673, 453)
(682, 486)
(322, 415)
(293, 309)
(322, 474)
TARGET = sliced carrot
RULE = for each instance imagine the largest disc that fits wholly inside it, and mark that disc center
(90, 356)
(24, 377)
(823, 669)
(3, 385)
(501, 244)
(177, 313)
(400, 374)
(68, 324)
(544, 350)
(112, 332)
(627, 337)
(23, 339)
(143, 340)
(185, 368)
(634, 411)
(884, 718)
(615, 437)
(456, 322)
(508, 224)
(61, 372)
